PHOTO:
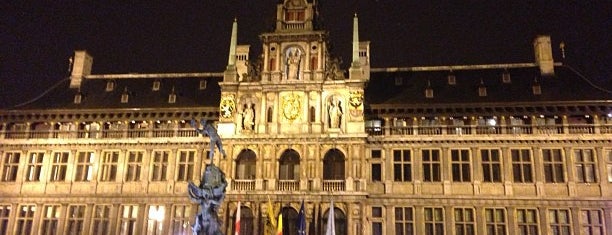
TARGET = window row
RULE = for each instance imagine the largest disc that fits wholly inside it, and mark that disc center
(141, 165)
(96, 220)
(555, 164)
(87, 166)
(496, 221)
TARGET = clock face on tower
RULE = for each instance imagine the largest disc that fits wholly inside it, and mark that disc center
(291, 106)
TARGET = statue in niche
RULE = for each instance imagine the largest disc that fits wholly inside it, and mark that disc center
(248, 117)
(334, 111)
(293, 63)
(332, 69)
(209, 194)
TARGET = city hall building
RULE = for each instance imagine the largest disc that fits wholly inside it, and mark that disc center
(517, 148)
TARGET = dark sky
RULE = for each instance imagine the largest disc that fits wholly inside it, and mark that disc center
(38, 37)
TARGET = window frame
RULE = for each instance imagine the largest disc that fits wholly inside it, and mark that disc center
(555, 225)
(491, 167)
(84, 166)
(134, 165)
(34, 166)
(465, 222)
(10, 166)
(185, 165)
(59, 166)
(459, 165)
(519, 162)
(581, 166)
(403, 163)
(553, 169)
(494, 222)
(159, 165)
(404, 224)
(432, 169)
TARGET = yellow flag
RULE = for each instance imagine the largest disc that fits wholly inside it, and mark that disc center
(279, 228)
(271, 226)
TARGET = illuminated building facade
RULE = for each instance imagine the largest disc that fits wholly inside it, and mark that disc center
(522, 148)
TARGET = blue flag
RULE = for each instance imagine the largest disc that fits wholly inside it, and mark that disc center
(301, 223)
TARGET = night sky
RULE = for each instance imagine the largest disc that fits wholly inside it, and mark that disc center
(38, 37)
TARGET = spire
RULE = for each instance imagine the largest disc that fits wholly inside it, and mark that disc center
(355, 62)
(231, 60)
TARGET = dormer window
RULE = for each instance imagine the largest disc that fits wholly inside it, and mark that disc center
(202, 84)
(537, 89)
(452, 80)
(78, 97)
(398, 81)
(110, 85)
(482, 91)
(429, 93)
(506, 77)
(125, 96)
(172, 97)
(156, 85)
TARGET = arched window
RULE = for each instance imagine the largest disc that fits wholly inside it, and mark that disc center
(290, 217)
(245, 165)
(289, 165)
(246, 221)
(339, 222)
(312, 114)
(269, 116)
(333, 165)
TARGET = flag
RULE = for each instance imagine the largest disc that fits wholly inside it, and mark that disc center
(279, 228)
(271, 226)
(301, 221)
(331, 227)
(237, 224)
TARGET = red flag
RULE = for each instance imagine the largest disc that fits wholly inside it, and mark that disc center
(237, 224)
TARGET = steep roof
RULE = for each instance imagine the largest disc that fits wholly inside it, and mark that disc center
(140, 91)
(408, 88)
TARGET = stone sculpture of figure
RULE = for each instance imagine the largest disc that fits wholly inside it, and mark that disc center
(293, 63)
(335, 113)
(209, 195)
(209, 130)
(248, 116)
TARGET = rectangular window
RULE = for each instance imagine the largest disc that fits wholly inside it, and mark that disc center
(5, 213)
(155, 219)
(377, 215)
(585, 166)
(376, 172)
(522, 166)
(159, 165)
(108, 171)
(10, 165)
(377, 153)
(84, 166)
(592, 222)
(50, 219)
(59, 164)
(101, 220)
(76, 218)
(553, 166)
(134, 166)
(402, 165)
(431, 165)
(460, 165)
(34, 168)
(404, 221)
(127, 219)
(464, 221)
(527, 221)
(491, 165)
(185, 165)
(608, 157)
(495, 219)
(434, 220)
(25, 219)
(559, 220)
(181, 215)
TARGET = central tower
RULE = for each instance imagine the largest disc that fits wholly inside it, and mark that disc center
(294, 86)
